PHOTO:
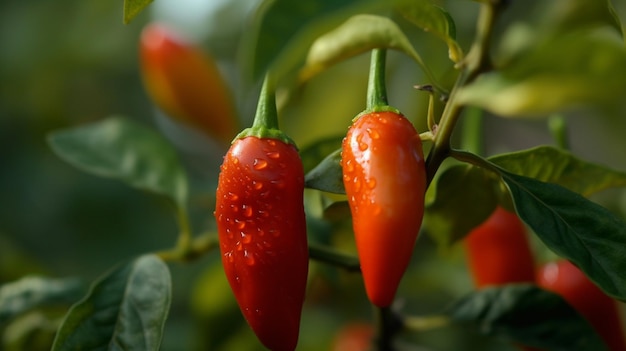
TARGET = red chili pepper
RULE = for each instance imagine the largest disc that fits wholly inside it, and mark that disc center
(498, 251)
(356, 336)
(385, 180)
(186, 83)
(262, 230)
(564, 278)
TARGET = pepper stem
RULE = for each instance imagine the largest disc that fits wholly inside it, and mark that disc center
(376, 85)
(376, 89)
(265, 124)
(266, 114)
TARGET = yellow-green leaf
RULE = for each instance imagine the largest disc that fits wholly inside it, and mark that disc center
(133, 7)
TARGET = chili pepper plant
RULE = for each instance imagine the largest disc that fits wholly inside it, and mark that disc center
(375, 201)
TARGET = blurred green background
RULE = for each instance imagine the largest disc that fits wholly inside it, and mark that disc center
(65, 63)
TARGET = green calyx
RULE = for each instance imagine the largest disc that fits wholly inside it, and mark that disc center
(265, 124)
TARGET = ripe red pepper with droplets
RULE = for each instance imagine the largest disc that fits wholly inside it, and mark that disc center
(601, 311)
(185, 83)
(262, 229)
(385, 180)
(498, 251)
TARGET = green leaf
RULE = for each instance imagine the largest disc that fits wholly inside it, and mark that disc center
(32, 292)
(528, 315)
(121, 149)
(574, 69)
(133, 7)
(328, 175)
(437, 21)
(313, 154)
(552, 165)
(337, 211)
(575, 228)
(464, 196)
(283, 30)
(567, 15)
(124, 310)
(357, 35)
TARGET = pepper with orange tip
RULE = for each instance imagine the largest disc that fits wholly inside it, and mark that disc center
(186, 83)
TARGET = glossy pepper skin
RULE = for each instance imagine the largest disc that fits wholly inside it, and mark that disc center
(185, 83)
(498, 251)
(564, 278)
(262, 233)
(385, 181)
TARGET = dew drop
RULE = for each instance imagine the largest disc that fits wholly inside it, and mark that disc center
(259, 164)
(247, 211)
(349, 166)
(232, 196)
(229, 257)
(271, 142)
(235, 161)
(346, 178)
(239, 245)
(273, 155)
(248, 258)
(363, 146)
(257, 185)
(275, 233)
(240, 224)
(245, 238)
(373, 133)
(357, 184)
(371, 183)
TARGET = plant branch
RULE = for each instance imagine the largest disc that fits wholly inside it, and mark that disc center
(476, 62)
(334, 257)
(425, 323)
(388, 325)
(197, 247)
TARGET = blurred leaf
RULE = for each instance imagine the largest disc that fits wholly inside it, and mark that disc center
(33, 331)
(328, 175)
(313, 154)
(337, 210)
(575, 228)
(125, 309)
(133, 7)
(437, 21)
(32, 292)
(283, 30)
(464, 197)
(567, 15)
(529, 315)
(357, 35)
(569, 70)
(213, 303)
(552, 165)
(119, 148)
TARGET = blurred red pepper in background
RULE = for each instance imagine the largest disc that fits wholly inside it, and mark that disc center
(186, 83)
